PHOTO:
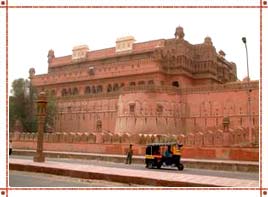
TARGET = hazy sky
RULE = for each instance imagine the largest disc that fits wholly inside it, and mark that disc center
(32, 32)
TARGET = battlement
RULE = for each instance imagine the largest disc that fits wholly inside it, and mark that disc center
(236, 137)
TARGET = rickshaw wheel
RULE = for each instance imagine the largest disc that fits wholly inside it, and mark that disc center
(150, 165)
(159, 165)
(180, 167)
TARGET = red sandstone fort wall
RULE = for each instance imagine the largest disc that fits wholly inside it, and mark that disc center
(156, 112)
(159, 109)
(82, 115)
(210, 145)
(207, 109)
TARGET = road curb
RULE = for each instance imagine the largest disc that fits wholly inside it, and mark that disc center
(188, 163)
(105, 176)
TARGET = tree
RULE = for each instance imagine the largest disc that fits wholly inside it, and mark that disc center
(51, 112)
(21, 105)
(12, 112)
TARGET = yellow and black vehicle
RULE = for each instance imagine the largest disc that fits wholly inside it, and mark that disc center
(163, 154)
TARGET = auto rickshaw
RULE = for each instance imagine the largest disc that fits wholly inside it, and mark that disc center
(163, 154)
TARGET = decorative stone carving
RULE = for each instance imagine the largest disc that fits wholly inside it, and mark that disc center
(218, 138)
(50, 56)
(107, 138)
(179, 34)
(31, 73)
(181, 139)
(190, 139)
(80, 53)
(222, 54)
(124, 44)
(199, 139)
(84, 137)
(226, 123)
(142, 139)
(125, 138)
(208, 41)
(208, 138)
(116, 138)
(135, 138)
(92, 138)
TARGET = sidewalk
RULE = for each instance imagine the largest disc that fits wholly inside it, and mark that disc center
(133, 176)
(225, 165)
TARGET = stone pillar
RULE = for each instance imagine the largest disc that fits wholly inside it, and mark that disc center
(41, 116)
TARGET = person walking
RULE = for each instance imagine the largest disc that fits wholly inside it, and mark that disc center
(129, 155)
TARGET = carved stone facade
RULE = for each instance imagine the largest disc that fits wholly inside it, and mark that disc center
(165, 86)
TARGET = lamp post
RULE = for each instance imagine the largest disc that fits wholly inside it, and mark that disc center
(248, 94)
(41, 116)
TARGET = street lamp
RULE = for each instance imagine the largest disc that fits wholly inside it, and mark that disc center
(248, 94)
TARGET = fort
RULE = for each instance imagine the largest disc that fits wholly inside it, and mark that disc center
(164, 87)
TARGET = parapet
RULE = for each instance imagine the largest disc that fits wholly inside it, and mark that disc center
(80, 52)
(124, 44)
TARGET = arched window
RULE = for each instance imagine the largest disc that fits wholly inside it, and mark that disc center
(75, 91)
(141, 83)
(69, 91)
(132, 107)
(109, 88)
(175, 84)
(93, 89)
(132, 83)
(116, 87)
(87, 90)
(159, 108)
(151, 82)
(64, 92)
(99, 88)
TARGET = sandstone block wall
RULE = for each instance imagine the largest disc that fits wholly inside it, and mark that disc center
(238, 137)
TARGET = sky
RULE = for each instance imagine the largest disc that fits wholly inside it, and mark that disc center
(33, 32)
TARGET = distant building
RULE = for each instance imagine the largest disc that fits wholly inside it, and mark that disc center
(160, 86)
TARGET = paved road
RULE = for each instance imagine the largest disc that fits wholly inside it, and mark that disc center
(30, 179)
(228, 174)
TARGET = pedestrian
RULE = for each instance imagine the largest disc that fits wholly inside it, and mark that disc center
(129, 155)
(10, 147)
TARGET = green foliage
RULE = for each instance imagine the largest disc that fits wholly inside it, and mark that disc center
(21, 105)
(51, 112)
(18, 103)
(12, 112)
